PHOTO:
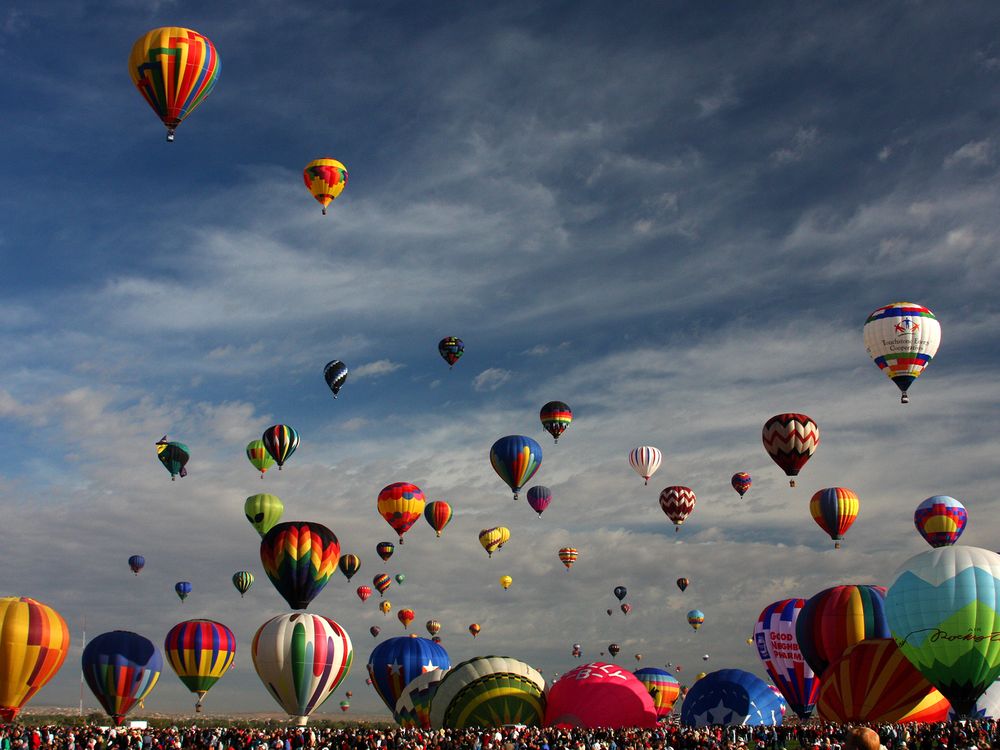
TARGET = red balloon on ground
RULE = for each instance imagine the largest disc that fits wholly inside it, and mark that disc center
(600, 695)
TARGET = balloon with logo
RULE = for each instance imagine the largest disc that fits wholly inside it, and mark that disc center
(677, 503)
(121, 669)
(182, 589)
(136, 563)
(774, 635)
(489, 691)
(200, 652)
(872, 682)
(401, 504)
(302, 659)
(396, 661)
(299, 557)
(662, 686)
(349, 565)
(515, 459)
(34, 641)
(567, 556)
(539, 498)
(494, 538)
(451, 350)
(335, 373)
(600, 695)
(902, 338)
(326, 179)
(683, 583)
(243, 580)
(280, 441)
(413, 709)
(438, 515)
(385, 550)
(175, 69)
(695, 618)
(555, 416)
(943, 612)
(364, 592)
(385, 606)
(258, 457)
(834, 510)
(790, 440)
(506, 581)
(174, 457)
(381, 582)
(730, 697)
(940, 520)
(645, 460)
(263, 511)
(839, 617)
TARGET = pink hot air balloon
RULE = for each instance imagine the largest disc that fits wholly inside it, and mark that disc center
(600, 695)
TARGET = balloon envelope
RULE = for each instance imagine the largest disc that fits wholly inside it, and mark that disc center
(34, 641)
(834, 510)
(136, 563)
(902, 338)
(515, 459)
(349, 565)
(663, 687)
(258, 456)
(263, 511)
(413, 709)
(539, 498)
(243, 580)
(121, 669)
(396, 661)
(335, 372)
(774, 635)
(839, 617)
(438, 515)
(730, 697)
(280, 441)
(555, 416)
(299, 557)
(645, 460)
(489, 691)
(677, 503)
(600, 695)
(401, 504)
(200, 652)
(741, 482)
(940, 520)
(326, 179)
(451, 349)
(790, 440)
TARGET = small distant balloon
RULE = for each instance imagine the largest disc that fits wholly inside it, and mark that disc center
(695, 618)
(349, 565)
(243, 580)
(494, 538)
(326, 179)
(834, 510)
(263, 512)
(741, 482)
(645, 460)
(474, 629)
(381, 582)
(451, 349)
(385, 606)
(406, 616)
(385, 550)
(174, 457)
(790, 440)
(539, 498)
(940, 520)
(399, 578)
(182, 588)
(335, 375)
(506, 581)
(555, 416)
(626, 608)
(902, 338)
(401, 504)
(515, 459)
(374, 630)
(620, 592)
(364, 592)
(682, 583)
(136, 563)
(568, 555)
(280, 441)
(258, 456)
(438, 515)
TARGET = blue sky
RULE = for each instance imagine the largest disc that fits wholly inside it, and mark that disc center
(672, 216)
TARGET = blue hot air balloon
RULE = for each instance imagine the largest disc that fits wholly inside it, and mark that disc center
(515, 459)
(731, 697)
(121, 668)
(183, 588)
(137, 563)
(396, 661)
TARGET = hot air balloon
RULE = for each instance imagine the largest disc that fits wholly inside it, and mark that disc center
(695, 618)
(381, 582)
(614, 649)
(263, 511)
(385, 606)
(600, 695)
(555, 416)
(539, 498)
(494, 538)
(174, 457)
(489, 691)
(34, 641)
(872, 682)
(136, 563)
(344, 705)
(200, 652)
(638, 657)
(515, 459)
(834, 510)
(677, 502)
(385, 550)
(662, 686)
(568, 555)
(401, 504)
(626, 608)
(436, 639)
(902, 338)
(335, 372)
(175, 69)
(451, 350)
(280, 441)
(682, 583)
(399, 578)
(645, 460)
(836, 618)
(741, 482)
(413, 709)
(299, 557)
(349, 565)
(620, 592)
(433, 627)
(942, 611)
(406, 616)
(438, 515)
(396, 661)
(577, 650)
(349, 694)
(326, 179)
(374, 630)
(243, 580)
(609, 612)
(301, 658)
(790, 440)
(940, 520)
(121, 668)
(364, 592)
(182, 589)
(258, 456)
(774, 635)
(474, 629)
(730, 697)
(506, 581)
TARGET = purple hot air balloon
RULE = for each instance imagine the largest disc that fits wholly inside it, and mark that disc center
(539, 498)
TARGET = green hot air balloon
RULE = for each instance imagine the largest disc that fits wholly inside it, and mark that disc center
(944, 613)
(489, 691)
(242, 580)
(263, 511)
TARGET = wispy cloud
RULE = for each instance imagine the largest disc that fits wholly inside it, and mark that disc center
(975, 153)
(375, 369)
(491, 379)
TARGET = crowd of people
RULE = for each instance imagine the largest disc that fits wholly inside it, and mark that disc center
(981, 734)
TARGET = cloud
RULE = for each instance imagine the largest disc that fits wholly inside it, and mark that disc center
(802, 143)
(974, 153)
(375, 369)
(490, 379)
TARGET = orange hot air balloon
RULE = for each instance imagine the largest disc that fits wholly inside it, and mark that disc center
(406, 617)
(326, 179)
(438, 515)
(474, 629)
(34, 641)
(401, 504)
(385, 606)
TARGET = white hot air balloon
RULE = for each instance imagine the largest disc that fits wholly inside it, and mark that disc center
(902, 338)
(645, 460)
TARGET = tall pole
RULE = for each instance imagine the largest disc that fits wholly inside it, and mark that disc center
(83, 645)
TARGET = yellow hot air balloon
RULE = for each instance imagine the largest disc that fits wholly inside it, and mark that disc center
(34, 641)
(385, 607)
(494, 538)
(326, 179)
(506, 581)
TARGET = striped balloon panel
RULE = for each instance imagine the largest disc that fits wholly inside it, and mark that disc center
(381, 582)
(401, 504)
(677, 502)
(299, 558)
(515, 459)
(555, 417)
(121, 669)
(349, 565)
(495, 538)
(873, 682)
(243, 580)
(940, 520)
(414, 706)
(280, 441)
(385, 550)
(777, 647)
(174, 69)
(438, 515)
(662, 686)
(902, 339)
(645, 460)
(837, 618)
(568, 556)
(489, 691)
(790, 440)
(834, 510)
(200, 652)
(34, 641)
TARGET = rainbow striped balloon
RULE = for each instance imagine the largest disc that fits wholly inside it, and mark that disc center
(121, 668)
(568, 555)
(299, 557)
(662, 686)
(200, 652)
(34, 641)
(839, 617)
(940, 520)
(438, 515)
(280, 441)
(834, 510)
(515, 459)
(555, 416)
